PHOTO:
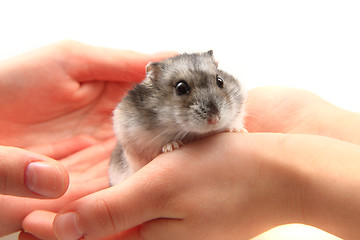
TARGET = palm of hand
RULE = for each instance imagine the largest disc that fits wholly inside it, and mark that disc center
(65, 97)
(65, 91)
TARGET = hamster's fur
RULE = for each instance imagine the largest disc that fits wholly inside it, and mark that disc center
(182, 99)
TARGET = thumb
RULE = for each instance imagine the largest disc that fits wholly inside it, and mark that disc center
(27, 174)
(139, 199)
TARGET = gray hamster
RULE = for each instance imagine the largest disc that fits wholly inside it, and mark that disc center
(182, 99)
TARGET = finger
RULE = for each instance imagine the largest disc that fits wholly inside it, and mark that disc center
(139, 199)
(97, 63)
(27, 174)
(120, 65)
(90, 157)
(16, 209)
(64, 148)
(27, 236)
(39, 224)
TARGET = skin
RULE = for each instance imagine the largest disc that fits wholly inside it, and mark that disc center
(58, 101)
(242, 186)
(290, 110)
(86, 176)
(68, 84)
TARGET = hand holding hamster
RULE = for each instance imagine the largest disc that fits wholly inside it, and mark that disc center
(182, 99)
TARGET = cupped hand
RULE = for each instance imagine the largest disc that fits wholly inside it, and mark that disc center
(65, 90)
(88, 173)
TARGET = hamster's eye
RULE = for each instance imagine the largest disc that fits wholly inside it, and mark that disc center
(182, 88)
(219, 81)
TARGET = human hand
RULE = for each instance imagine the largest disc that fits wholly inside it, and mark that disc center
(67, 89)
(88, 173)
(63, 91)
(290, 110)
(233, 190)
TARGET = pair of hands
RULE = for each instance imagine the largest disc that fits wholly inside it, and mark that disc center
(229, 186)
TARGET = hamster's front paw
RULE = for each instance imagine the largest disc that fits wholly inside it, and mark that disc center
(236, 130)
(171, 146)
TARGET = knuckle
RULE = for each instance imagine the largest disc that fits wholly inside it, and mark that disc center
(104, 216)
(163, 186)
(68, 49)
(9, 176)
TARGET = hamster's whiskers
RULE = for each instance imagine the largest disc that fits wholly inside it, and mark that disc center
(181, 134)
(164, 134)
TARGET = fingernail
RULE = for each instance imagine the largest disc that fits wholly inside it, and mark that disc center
(44, 179)
(67, 226)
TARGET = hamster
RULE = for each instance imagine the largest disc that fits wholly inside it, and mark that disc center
(182, 99)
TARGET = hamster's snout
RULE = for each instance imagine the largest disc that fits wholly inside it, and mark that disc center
(212, 112)
(208, 111)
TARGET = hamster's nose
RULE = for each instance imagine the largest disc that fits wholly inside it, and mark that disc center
(212, 113)
(213, 120)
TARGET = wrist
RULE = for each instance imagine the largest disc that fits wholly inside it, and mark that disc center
(304, 179)
(278, 178)
(286, 180)
(327, 183)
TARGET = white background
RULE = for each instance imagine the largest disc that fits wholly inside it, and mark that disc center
(311, 44)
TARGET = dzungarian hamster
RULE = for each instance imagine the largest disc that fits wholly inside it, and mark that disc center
(182, 99)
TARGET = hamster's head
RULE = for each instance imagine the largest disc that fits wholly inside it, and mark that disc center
(194, 95)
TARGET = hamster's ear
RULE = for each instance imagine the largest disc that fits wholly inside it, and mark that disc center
(210, 53)
(152, 70)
